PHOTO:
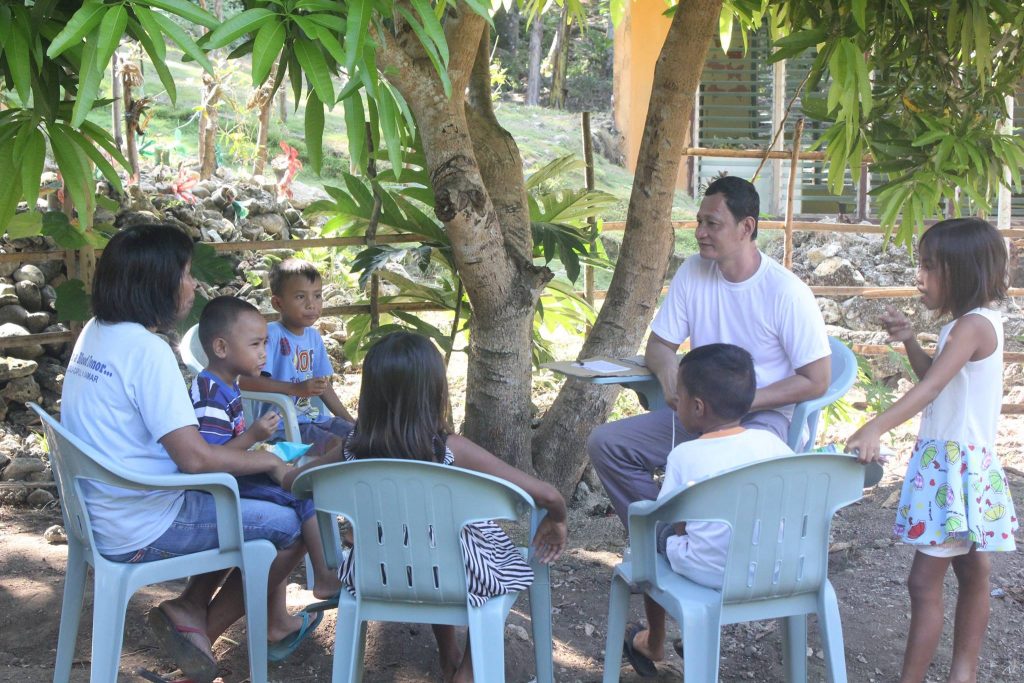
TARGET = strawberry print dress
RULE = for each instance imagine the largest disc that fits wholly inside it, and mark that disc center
(955, 488)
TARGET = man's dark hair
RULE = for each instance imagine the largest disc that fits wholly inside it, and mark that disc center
(289, 268)
(218, 317)
(740, 196)
(138, 276)
(721, 375)
(970, 256)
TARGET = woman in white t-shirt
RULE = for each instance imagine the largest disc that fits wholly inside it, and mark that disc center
(124, 395)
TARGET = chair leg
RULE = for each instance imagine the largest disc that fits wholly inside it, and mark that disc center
(832, 634)
(255, 587)
(618, 609)
(794, 648)
(540, 620)
(70, 611)
(349, 642)
(487, 642)
(109, 605)
(702, 630)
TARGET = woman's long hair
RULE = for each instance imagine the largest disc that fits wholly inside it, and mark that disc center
(403, 401)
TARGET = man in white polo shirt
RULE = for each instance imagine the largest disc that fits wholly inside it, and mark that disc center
(731, 293)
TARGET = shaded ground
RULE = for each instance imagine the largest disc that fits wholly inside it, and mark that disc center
(867, 569)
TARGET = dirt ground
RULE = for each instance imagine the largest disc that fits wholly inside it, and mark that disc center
(867, 568)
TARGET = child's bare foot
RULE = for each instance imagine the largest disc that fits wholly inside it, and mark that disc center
(283, 628)
(642, 645)
(464, 674)
(326, 586)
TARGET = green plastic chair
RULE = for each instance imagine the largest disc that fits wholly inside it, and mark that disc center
(803, 428)
(115, 582)
(780, 511)
(407, 517)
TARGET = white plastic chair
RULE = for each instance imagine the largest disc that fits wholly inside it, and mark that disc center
(407, 517)
(115, 582)
(780, 511)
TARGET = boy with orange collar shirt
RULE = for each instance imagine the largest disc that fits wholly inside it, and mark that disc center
(715, 390)
(297, 361)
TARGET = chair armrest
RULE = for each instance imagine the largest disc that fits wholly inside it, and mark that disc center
(285, 405)
(643, 543)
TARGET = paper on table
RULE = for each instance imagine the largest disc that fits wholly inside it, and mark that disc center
(601, 366)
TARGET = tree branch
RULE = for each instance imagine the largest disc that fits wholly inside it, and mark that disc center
(462, 30)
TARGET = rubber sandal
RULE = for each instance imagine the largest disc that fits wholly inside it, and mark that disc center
(640, 662)
(284, 648)
(187, 656)
(329, 603)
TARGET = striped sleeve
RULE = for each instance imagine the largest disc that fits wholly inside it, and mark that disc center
(212, 407)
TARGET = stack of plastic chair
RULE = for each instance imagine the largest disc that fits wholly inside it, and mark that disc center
(115, 582)
(407, 517)
(780, 511)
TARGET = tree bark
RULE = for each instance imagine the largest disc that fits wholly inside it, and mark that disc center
(208, 127)
(558, 61)
(559, 446)
(131, 123)
(263, 99)
(502, 283)
(533, 73)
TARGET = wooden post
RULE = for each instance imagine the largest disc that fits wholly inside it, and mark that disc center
(588, 159)
(1005, 206)
(116, 105)
(793, 169)
(778, 121)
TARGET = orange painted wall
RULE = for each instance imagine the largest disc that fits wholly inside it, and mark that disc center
(638, 41)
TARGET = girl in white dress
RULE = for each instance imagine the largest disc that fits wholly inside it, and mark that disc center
(955, 506)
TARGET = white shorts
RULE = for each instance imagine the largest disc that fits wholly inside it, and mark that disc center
(947, 549)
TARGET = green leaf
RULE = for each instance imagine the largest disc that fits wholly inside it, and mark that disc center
(355, 126)
(314, 131)
(94, 155)
(265, 50)
(102, 138)
(929, 138)
(111, 31)
(182, 39)
(388, 120)
(156, 50)
(432, 27)
(89, 78)
(56, 225)
(331, 44)
(74, 167)
(249, 21)
(357, 23)
(10, 192)
(315, 67)
(27, 224)
(19, 62)
(209, 267)
(152, 31)
(72, 301)
(858, 9)
(80, 25)
(553, 169)
(725, 27)
(186, 10)
(31, 164)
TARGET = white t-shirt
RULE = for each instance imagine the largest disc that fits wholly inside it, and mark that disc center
(699, 554)
(122, 393)
(771, 314)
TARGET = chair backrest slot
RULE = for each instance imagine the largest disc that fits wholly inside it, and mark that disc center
(803, 530)
(436, 572)
(405, 535)
(380, 533)
(751, 574)
(408, 574)
(782, 530)
(430, 535)
(755, 536)
(383, 574)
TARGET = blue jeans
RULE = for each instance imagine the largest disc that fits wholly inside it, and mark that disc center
(262, 487)
(195, 528)
(324, 435)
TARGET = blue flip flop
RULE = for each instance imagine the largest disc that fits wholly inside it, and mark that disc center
(283, 649)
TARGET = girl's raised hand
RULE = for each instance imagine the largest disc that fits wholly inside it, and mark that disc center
(549, 541)
(896, 325)
(865, 444)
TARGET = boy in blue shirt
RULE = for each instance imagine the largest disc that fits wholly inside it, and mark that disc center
(234, 335)
(297, 362)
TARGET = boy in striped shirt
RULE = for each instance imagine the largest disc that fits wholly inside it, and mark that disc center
(234, 337)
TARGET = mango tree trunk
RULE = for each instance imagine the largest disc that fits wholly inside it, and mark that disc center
(559, 445)
(492, 254)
